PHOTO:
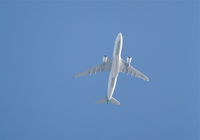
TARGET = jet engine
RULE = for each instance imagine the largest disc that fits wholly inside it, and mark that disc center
(128, 60)
(105, 58)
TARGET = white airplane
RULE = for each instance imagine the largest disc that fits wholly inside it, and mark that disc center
(114, 66)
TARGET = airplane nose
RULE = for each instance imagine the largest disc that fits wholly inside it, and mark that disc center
(120, 35)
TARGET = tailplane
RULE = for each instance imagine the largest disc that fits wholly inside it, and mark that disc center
(112, 100)
(102, 101)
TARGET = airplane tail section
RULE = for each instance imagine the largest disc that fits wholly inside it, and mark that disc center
(112, 100)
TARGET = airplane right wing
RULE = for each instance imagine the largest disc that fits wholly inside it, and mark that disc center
(126, 68)
(104, 67)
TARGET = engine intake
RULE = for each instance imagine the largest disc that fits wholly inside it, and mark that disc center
(129, 59)
(105, 59)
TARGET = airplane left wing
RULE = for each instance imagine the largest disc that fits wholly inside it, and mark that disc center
(104, 67)
(126, 68)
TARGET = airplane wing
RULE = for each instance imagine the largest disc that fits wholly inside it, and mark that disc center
(126, 68)
(104, 67)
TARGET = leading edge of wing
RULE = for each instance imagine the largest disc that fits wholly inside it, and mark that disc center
(104, 67)
(126, 68)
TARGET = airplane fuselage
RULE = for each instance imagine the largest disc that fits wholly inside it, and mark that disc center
(115, 66)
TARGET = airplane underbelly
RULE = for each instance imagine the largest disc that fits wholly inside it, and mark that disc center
(111, 86)
(115, 67)
(113, 77)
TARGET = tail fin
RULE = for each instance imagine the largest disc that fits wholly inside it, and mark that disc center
(112, 100)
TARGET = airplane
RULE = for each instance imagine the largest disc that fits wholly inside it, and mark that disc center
(114, 66)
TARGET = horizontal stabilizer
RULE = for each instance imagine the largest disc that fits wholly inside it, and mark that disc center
(114, 101)
(102, 101)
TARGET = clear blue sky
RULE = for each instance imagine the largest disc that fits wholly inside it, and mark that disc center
(43, 43)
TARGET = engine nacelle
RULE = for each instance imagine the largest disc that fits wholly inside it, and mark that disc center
(105, 59)
(128, 60)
